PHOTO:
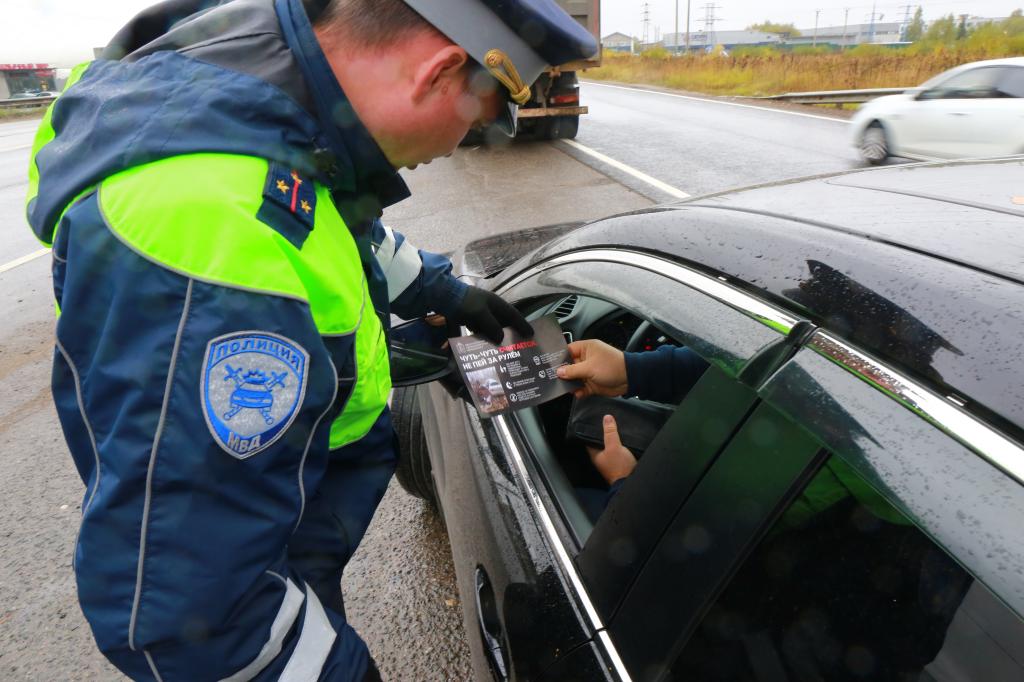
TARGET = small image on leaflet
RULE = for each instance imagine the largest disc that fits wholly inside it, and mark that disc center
(518, 373)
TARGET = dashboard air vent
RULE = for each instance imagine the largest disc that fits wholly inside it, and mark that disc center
(566, 306)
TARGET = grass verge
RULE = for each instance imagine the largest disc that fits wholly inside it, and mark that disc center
(759, 72)
(19, 114)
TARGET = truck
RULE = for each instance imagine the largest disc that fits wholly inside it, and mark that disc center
(554, 108)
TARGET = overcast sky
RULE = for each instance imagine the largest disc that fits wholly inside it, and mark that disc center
(63, 32)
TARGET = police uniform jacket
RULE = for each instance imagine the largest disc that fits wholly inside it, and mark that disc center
(223, 285)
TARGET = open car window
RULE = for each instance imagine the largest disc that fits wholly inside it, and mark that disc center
(568, 432)
(643, 305)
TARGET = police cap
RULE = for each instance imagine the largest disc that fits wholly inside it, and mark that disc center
(515, 40)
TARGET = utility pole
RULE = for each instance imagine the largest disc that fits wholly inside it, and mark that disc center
(871, 31)
(814, 40)
(646, 24)
(675, 43)
(846, 23)
(687, 27)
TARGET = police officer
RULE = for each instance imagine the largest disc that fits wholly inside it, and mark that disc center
(212, 188)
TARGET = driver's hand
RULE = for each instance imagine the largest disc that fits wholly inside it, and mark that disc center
(615, 462)
(601, 368)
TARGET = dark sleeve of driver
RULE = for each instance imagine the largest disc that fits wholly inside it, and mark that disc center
(664, 375)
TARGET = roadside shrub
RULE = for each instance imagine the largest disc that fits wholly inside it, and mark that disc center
(656, 53)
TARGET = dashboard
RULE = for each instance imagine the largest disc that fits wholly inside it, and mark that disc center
(582, 317)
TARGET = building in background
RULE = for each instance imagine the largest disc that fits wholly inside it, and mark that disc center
(16, 79)
(878, 33)
(702, 42)
(975, 22)
(617, 42)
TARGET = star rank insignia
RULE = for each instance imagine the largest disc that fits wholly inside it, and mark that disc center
(289, 197)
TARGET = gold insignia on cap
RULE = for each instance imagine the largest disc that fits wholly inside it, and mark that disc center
(501, 67)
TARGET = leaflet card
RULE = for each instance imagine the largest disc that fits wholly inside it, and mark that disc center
(519, 373)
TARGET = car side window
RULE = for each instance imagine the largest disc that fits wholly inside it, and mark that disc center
(1011, 82)
(845, 587)
(972, 84)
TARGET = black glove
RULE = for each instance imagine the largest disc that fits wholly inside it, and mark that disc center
(486, 313)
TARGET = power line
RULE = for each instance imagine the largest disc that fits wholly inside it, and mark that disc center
(906, 22)
(645, 15)
(710, 19)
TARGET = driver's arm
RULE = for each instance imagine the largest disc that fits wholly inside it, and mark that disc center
(665, 375)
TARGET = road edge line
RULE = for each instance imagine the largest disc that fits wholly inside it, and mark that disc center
(24, 259)
(629, 170)
(712, 100)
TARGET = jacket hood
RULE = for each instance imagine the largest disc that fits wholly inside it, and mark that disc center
(194, 76)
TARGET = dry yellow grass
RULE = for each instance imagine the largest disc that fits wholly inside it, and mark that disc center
(769, 72)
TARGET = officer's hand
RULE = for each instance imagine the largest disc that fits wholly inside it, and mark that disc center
(615, 461)
(486, 314)
(601, 368)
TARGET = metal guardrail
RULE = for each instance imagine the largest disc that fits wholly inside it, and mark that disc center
(25, 102)
(837, 97)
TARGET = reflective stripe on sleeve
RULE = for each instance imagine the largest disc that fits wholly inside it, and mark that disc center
(283, 622)
(314, 645)
(400, 262)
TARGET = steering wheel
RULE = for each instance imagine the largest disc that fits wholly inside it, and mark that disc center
(633, 345)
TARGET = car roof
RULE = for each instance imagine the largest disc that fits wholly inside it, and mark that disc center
(1008, 61)
(965, 212)
(921, 265)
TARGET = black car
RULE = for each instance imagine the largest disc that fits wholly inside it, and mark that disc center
(839, 497)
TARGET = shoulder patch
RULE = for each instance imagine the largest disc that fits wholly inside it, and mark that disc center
(252, 387)
(288, 198)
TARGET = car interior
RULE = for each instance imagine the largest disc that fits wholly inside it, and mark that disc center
(559, 431)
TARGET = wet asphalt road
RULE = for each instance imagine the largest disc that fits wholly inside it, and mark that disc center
(400, 587)
(703, 145)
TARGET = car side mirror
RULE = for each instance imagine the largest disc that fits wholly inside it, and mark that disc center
(419, 353)
(933, 93)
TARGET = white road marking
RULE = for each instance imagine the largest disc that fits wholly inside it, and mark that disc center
(721, 102)
(629, 170)
(15, 149)
(24, 259)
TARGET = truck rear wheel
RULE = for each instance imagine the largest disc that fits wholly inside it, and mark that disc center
(563, 127)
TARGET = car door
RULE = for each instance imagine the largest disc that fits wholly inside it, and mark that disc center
(957, 118)
(743, 340)
(857, 526)
(1007, 136)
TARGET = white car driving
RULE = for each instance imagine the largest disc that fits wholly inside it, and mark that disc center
(972, 111)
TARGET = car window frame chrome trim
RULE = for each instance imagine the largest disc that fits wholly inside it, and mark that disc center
(564, 561)
(944, 412)
(717, 288)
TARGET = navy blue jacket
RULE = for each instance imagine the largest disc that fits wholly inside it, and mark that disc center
(185, 560)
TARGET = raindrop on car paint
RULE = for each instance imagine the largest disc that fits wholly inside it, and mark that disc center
(622, 551)
(696, 539)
